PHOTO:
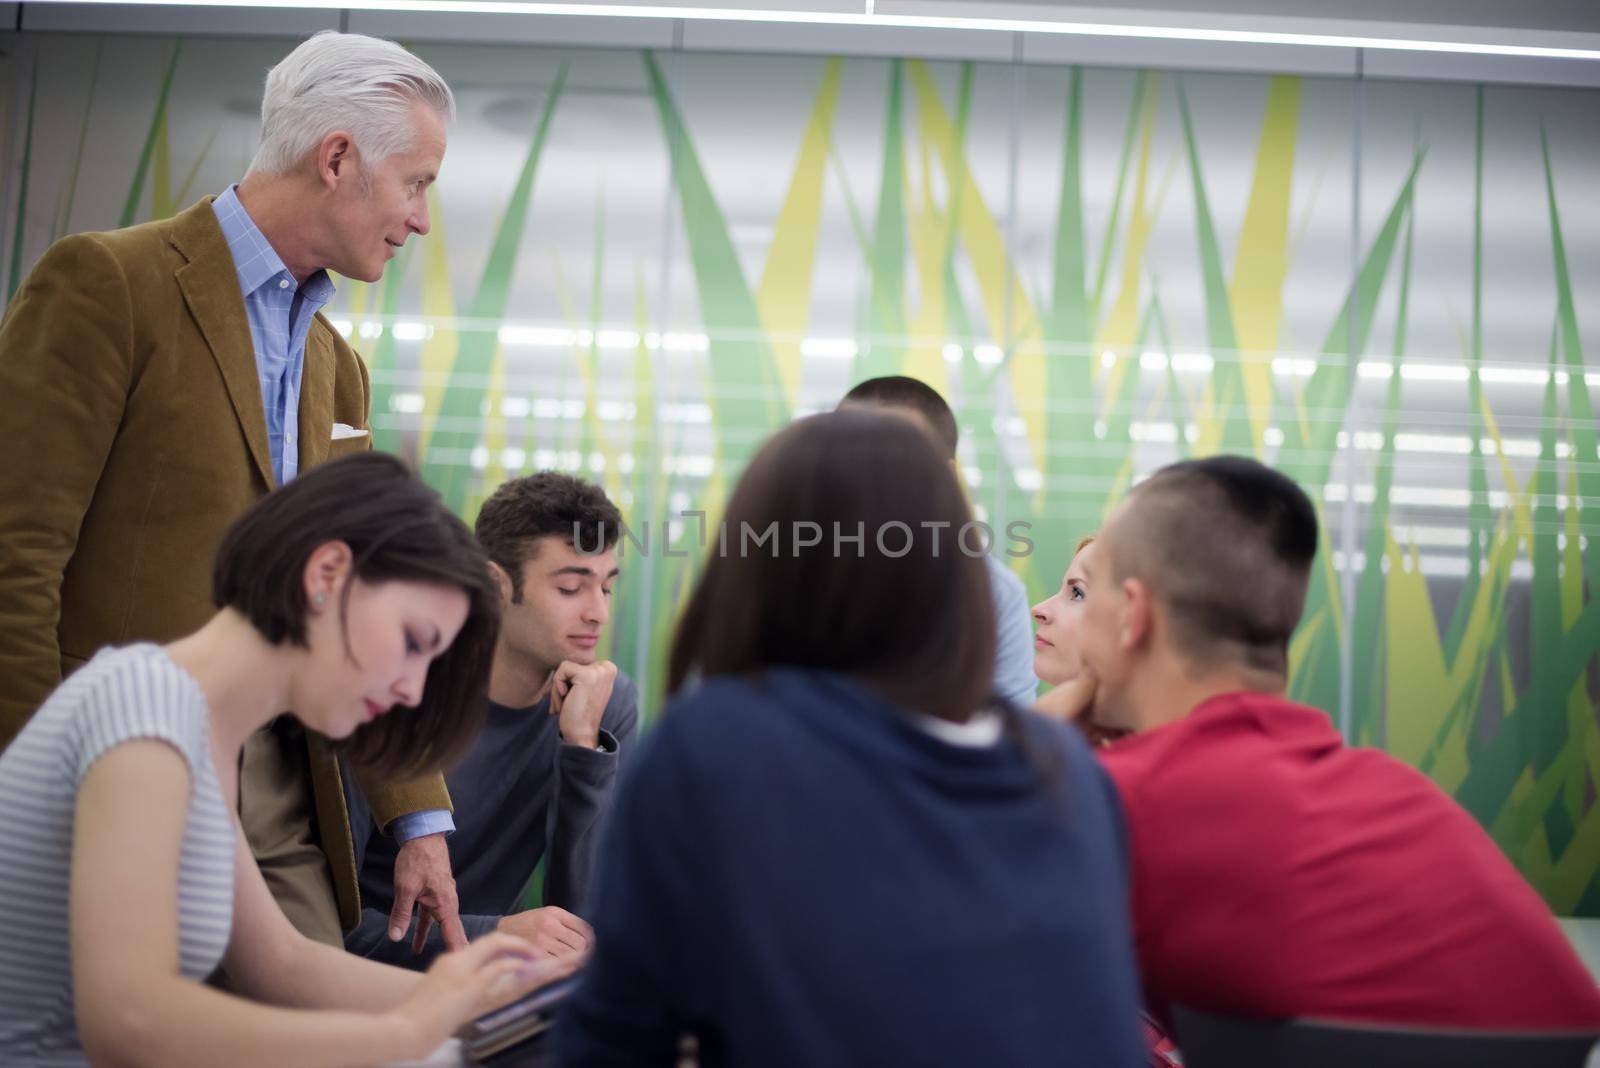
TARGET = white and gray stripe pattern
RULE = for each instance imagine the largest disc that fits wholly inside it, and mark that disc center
(120, 695)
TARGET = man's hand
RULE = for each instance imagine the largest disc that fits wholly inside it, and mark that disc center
(422, 878)
(578, 696)
(555, 931)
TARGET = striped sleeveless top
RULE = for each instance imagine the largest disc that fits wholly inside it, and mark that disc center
(120, 695)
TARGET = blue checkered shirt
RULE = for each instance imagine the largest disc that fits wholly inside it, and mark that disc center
(280, 314)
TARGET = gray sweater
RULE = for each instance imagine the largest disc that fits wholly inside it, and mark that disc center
(520, 795)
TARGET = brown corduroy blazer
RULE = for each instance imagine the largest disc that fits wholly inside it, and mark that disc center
(132, 435)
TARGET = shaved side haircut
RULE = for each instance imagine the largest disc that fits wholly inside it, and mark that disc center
(1227, 544)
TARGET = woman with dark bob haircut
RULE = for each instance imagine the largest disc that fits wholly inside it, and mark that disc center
(837, 848)
(351, 597)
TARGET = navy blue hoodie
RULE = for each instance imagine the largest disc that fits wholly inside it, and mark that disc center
(799, 874)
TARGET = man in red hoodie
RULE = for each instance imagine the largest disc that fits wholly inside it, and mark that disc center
(1276, 871)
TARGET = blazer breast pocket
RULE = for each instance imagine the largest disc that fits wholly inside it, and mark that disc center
(348, 446)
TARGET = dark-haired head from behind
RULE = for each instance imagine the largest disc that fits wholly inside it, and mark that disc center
(523, 510)
(911, 617)
(397, 530)
(904, 393)
(1226, 544)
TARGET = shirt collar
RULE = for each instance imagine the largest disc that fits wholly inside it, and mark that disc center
(255, 261)
(981, 730)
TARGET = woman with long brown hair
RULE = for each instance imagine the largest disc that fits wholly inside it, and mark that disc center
(836, 848)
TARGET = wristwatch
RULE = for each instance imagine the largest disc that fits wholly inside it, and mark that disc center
(600, 745)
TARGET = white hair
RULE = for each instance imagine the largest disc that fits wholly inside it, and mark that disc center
(345, 81)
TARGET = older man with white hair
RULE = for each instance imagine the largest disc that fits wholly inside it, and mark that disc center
(157, 380)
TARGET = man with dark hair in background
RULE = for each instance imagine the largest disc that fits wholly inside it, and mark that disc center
(539, 780)
(1013, 667)
(1278, 872)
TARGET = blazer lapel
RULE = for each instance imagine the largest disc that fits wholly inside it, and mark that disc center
(210, 287)
(316, 396)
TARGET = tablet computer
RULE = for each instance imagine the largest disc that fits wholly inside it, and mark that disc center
(526, 1018)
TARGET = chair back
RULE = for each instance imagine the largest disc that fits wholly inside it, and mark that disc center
(1207, 1040)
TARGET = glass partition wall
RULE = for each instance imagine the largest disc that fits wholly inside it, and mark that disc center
(644, 262)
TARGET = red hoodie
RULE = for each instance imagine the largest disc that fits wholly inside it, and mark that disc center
(1278, 872)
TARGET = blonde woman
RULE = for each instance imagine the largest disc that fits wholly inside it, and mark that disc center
(1056, 661)
(1055, 648)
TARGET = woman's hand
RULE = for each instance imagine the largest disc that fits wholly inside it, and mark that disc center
(1069, 702)
(469, 982)
(1072, 702)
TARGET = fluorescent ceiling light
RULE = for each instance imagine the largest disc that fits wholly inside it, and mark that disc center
(1153, 361)
(1193, 361)
(617, 411)
(1452, 444)
(867, 17)
(828, 348)
(1182, 361)
(692, 465)
(1430, 496)
(406, 330)
(1526, 376)
(1298, 366)
(686, 413)
(1434, 372)
(617, 339)
(685, 342)
(537, 335)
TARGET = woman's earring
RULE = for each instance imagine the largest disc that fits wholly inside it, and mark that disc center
(319, 599)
